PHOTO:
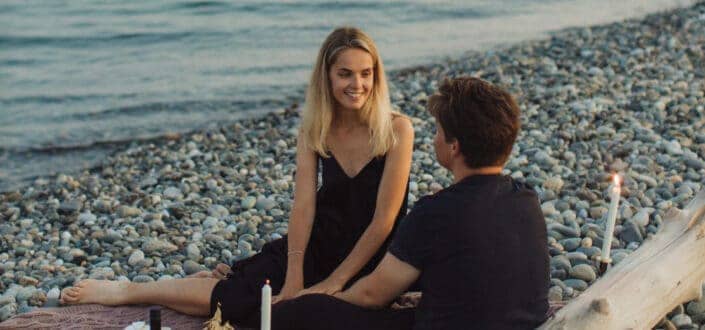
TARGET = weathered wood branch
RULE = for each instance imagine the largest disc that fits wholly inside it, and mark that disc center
(666, 271)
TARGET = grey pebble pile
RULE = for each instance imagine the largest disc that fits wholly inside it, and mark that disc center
(627, 97)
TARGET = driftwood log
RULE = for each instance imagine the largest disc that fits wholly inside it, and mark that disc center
(666, 271)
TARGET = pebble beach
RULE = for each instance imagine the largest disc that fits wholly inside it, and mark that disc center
(625, 98)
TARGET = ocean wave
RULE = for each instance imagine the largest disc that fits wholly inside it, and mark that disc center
(50, 148)
(164, 108)
(88, 141)
(308, 6)
(18, 62)
(257, 70)
(115, 40)
(202, 4)
(410, 11)
(49, 99)
(179, 107)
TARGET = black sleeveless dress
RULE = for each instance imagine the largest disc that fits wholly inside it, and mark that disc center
(344, 209)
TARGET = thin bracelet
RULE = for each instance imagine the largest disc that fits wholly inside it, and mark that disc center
(294, 252)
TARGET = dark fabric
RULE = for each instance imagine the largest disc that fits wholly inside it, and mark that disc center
(344, 208)
(323, 312)
(481, 248)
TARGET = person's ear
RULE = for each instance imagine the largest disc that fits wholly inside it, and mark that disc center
(454, 147)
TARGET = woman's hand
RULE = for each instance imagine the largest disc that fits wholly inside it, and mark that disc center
(328, 286)
(288, 291)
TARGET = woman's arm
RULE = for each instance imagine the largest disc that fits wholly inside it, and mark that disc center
(386, 282)
(389, 198)
(300, 220)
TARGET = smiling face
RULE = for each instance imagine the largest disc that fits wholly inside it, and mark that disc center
(352, 78)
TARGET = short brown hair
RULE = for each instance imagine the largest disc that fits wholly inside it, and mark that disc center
(482, 117)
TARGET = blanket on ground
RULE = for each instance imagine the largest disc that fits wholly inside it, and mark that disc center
(103, 317)
(97, 317)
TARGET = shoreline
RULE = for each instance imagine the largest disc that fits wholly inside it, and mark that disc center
(49, 160)
(623, 97)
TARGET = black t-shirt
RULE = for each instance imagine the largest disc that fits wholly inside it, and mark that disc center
(481, 248)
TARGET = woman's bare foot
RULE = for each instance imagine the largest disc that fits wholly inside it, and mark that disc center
(203, 274)
(110, 293)
(220, 272)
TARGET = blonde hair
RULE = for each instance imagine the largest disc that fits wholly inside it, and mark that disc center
(376, 113)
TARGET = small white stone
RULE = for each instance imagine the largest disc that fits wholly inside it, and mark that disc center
(172, 193)
(193, 252)
(136, 258)
(54, 293)
(413, 187)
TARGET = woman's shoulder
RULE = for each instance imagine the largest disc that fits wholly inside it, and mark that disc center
(401, 124)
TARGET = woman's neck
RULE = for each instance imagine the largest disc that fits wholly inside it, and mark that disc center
(346, 119)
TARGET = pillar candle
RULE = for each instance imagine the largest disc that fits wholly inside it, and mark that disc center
(266, 320)
(615, 192)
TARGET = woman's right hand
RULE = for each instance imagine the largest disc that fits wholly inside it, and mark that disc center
(288, 291)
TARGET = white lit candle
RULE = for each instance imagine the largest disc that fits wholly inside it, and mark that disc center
(615, 192)
(266, 320)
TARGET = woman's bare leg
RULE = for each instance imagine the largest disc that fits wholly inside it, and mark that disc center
(187, 295)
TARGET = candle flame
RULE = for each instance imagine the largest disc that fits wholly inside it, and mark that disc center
(616, 180)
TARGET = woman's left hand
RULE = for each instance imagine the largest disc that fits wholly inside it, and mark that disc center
(327, 286)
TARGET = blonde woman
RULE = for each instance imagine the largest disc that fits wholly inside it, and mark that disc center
(336, 234)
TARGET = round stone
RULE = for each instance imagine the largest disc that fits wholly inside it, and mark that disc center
(218, 211)
(136, 258)
(560, 262)
(172, 193)
(8, 311)
(696, 309)
(435, 187)
(38, 298)
(641, 218)
(554, 183)
(156, 246)
(264, 203)
(681, 320)
(555, 293)
(142, 279)
(570, 244)
(576, 284)
(583, 272)
(191, 267)
(210, 222)
(165, 277)
(586, 242)
(248, 202)
(193, 252)
(26, 223)
(102, 273)
(128, 212)
(54, 293)
(87, 218)
(28, 281)
(413, 187)
(23, 294)
(212, 184)
(69, 207)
